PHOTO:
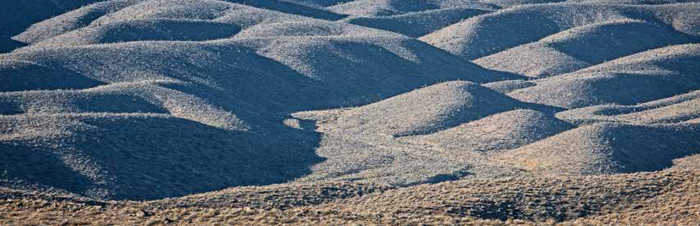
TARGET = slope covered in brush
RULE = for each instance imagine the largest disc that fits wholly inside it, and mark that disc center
(146, 99)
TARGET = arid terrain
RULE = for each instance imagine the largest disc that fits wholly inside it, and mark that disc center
(350, 111)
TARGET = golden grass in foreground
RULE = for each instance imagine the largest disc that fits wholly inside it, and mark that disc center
(667, 197)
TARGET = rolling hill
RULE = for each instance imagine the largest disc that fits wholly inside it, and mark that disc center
(366, 108)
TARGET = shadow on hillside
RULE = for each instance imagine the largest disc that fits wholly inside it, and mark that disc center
(37, 166)
(652, 148)
(290, 8)
(23, 76)
(17, 16)
(8, 45)
(152, 157)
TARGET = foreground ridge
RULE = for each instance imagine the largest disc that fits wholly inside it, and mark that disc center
(668, 197)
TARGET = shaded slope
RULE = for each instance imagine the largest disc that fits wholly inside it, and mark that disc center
(351, 77)
(311, 28)
(397, 7)
(608, 148)
(366, 69)
(426, 110)
(144, 30)
(212, 110)
(133, 20)
(500, 131)
(24, 75)
(377, 142)
(639, 78)
(142, 97)
(318, 3)
(492, 33)
(418, 23)
(136, 157)
(211, 9)
(670, 110)
(513, 3)
(290, 8)
(509, 85)
(18, 15)
(72, 20)
(583, 46)
(532, 60)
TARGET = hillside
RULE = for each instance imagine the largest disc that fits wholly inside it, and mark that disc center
(365, 108)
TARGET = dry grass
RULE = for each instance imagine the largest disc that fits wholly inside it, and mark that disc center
(667, 197)
(359, 111)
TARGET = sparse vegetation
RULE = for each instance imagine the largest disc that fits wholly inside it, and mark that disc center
(484, 112)
(667, 197)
